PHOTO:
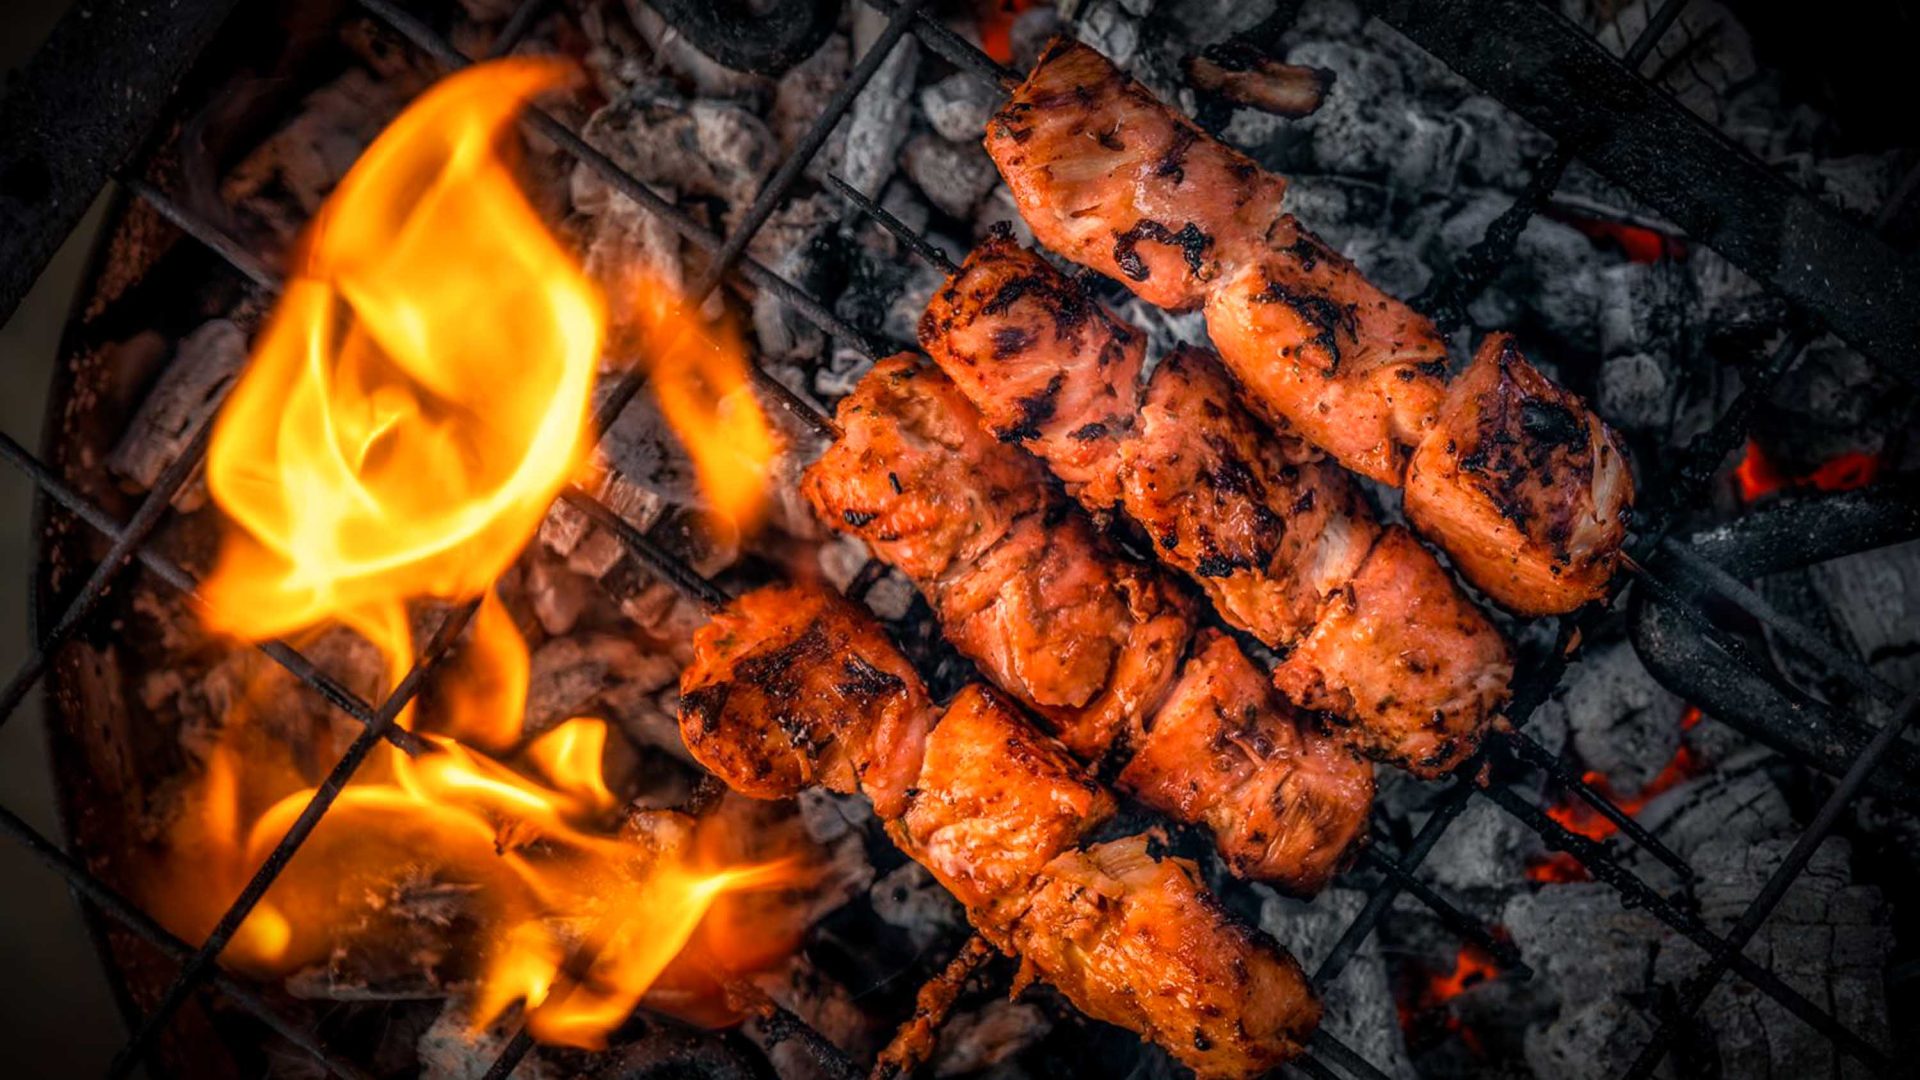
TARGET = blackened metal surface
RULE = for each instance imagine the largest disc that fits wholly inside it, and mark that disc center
(1550, 72)
(763, 42)
(80, 110)
(1799, 532)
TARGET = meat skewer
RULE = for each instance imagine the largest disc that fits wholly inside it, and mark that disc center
(1112, 178)
(792, 686)
(1101, 646)
(1279, 537)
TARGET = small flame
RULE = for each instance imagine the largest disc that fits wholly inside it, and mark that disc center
(414, 405)
(1758, 476)
(698, 371)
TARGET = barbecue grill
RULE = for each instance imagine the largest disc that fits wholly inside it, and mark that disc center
(98, 102)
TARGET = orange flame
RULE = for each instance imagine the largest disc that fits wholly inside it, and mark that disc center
(416, 402)
(1577, 816)
(698, 372)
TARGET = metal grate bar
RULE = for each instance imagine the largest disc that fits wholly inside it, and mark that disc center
(166, 570)
(1461, 923)
(1635, 893)
(953, 48)
(517, 26)
(1548, 762)
(1382, 896)
(321, 801)
(143, 926)
(1698, 986)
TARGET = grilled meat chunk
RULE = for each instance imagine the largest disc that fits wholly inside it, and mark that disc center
(995, 802)
(1111, 178)
(1287, 803)
(1132, 937)
(790, 685)
(1354, 371)
(1403, 660)
(1523, 485)
(915, 476)
(1265, 523)
(1044, 364)
(1048, 610)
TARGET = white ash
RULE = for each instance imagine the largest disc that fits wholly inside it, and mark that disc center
(877, 122)
(557, 596)
(1875, 596)
(1621, 721)
(974, 1040)
(1635, 392)
(958, 106)
(641, 448)
(451, 1050)
(909, 899)
(203, 365)
(1108, 26)
(1592, 955)
(890, 597)
(840, 559)
(627, 250)
(999, 208)
(707, 77)
(801, 96)
(828, 816)
(1359, 1004)
(789, 244)
(1738, 802)
(954, 176)
(1486, 849)
(697, 147)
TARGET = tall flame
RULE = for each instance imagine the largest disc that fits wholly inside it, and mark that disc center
(415, 403)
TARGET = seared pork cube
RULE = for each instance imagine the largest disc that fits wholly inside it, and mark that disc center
(1412, 670)
(1524, 486)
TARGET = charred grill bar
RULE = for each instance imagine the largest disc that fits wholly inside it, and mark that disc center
(1569, 110)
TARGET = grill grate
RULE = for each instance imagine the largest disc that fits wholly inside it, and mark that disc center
(1684, 486)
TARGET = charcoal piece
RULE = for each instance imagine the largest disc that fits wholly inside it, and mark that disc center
(1635, 392)
(1360, 1003)
(1486, 848)
(451, 1050)
(801, 97)
(597, 674)
(203, 365)
(556, 595)
(953, 176)
(1590, 957)
(877, 122)
(1622, 723)
(1389, 262)
(1499, 149)
(701, 147)
(631, 253)
(673, 51)
(796, 243)
(909, 898)
(828, 816)
(640, 448)
(1367, 122)
(1113, 30)
(1875, 596)
(1738, 802)
(958, 106)
(978, 1039)
(762, 39)
(1644, 307)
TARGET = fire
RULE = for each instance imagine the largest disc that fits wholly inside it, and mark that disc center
(414, 405)
(1579, 817)
(1758, 476)
(698, 371)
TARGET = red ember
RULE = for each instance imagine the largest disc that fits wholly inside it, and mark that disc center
(1758, 476)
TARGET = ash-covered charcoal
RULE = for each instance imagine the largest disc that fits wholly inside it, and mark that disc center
(451, 1050)
(697, 147)
(627, 250)
(878, 121)
(593, 674)
(1487, 849)
(640, 448)
(706, 76)
(909, 899)
(1591, 956)
(826, 1005)
(801, 96)
(556, 595)
(1738, 802)
(1834, 402)
(958, 106)
(404, 947)
(1619, 721)
(1875, 597)
(1828, 939)
(796, 243)
(203, 365)
(954, 176)
(1636, 392)
(1359, 1004)
(975, 1040)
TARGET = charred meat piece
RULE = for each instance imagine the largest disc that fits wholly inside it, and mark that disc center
(1132, 937)
(1246, 76)
(1404, 660)
(1265, 523)
(995, 802)
(1111, 178)
(1287, 803)
(1023, 587)
(915, 476)
(1045, 365)
(790, 685)
(1524, 486)
(1352, 370)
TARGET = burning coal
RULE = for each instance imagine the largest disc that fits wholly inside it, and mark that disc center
(413, 407)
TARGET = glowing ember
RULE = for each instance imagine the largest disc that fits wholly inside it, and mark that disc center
(412, 408)
(1579, 817)
(996, 26)
(1432, 993)
(1758, 476)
